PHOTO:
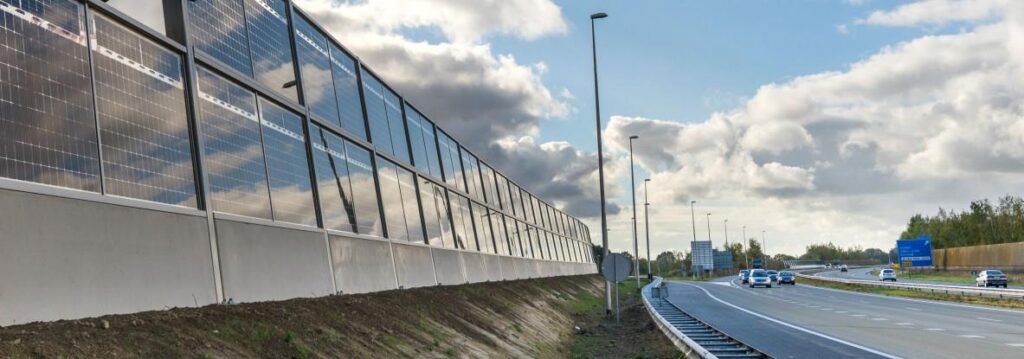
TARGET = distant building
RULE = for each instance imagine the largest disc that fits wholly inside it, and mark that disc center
(702, 256)
(722, 259)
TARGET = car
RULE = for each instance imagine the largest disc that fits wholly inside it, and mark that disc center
(774, 275)
(741, 274)
(744, 277)
(991, 278)
(787, 277)
(843, 268)
(759, 277)
(887, 274)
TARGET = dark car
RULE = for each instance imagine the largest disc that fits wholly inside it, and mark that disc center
(787, 278)
(744, 277)
(774, 275)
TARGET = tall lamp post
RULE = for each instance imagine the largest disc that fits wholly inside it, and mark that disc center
(746, 253)
(725, 227)
(632, 189)
(693, 222)
(764, 247)
(647, 231)
(600, 159)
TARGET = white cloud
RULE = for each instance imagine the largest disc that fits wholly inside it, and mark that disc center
(938, 12)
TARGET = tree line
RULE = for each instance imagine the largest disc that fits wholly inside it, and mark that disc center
(983, 223)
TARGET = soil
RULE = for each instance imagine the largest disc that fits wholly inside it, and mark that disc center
(517, 319)
(633, 336)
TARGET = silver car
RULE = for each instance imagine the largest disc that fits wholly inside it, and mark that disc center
(759, 277)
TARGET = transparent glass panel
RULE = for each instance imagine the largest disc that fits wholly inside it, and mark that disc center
(315, 66)
(377, 114)
(416, 131)
(364, 190)
(472, 170)
(218, 29)
(270, 46)
(431, 212)
(500, 233)
(489, 184)
(141, 105)
(483, 228)
(396, 125)
(234, 154)
(411, 203)
(332, 178)
(291, 193)
(462, 222)
(346, 89)
(451, 162)
(391, 199)
(515, 246)
(47, 128)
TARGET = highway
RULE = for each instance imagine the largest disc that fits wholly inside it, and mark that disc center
(865, 274)
(808, 322)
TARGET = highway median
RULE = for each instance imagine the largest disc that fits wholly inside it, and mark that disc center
(915, 294)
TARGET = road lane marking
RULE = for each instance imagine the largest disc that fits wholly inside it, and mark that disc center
(935, 330)
(880, 319)
(1013, 311)
(912, 308)
(793, 326)
(972, 336)
(1016, 345)
(990, 319)
(857, 315)
(905, 324)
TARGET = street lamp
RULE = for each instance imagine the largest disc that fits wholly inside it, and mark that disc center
(647, 232)
(600, 158)
(764, 249)
(725, 227)
(746, 253)
(693, 223)
(709, 226)
(632, 189)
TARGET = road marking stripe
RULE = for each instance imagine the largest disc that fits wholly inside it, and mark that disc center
(1016, 345)
(990, 319)
(914, 309)
(880, 319)
(840, 312)
(802, 329)
(935, 330)
(972, 336)
(917, 300)
(857, 315)
(905, 324)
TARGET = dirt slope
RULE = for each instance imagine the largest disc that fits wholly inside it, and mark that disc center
(532, 318)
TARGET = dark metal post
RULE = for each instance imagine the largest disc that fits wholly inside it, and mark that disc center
(600, 157)
(647, 231)
(632, 190)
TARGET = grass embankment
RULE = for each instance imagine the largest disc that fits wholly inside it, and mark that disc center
(634, 336)
(1005, 303)
(528, 318)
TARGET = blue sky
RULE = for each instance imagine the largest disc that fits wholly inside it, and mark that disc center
(683, 60)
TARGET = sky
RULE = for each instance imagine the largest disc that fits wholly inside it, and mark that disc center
(807, 121)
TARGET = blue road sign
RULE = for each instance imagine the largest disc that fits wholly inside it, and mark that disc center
(918, 252)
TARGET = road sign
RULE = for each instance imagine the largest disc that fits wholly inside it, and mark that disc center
(616, 267)
(915, 252)
(757, 263)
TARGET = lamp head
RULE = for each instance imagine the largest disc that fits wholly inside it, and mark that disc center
(599, 15)
(633, 137)
(647, 179)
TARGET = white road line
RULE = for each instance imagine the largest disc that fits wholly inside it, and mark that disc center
(1020, 312)
(802, 329)
(1016, 345)
(990, 319)
(840, 312)
(857, 315)
(972, 336)
(905, 324)
(880, 319)
(912, 308)
(935, 330)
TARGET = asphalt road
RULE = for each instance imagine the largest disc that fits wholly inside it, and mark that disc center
(808, 322)
(865, 274)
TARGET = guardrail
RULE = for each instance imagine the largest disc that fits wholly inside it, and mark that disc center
(1001, 293)
(693, 337)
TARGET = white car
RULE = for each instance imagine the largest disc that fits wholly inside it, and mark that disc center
(759, 277)
(887, 274)
(991, 278)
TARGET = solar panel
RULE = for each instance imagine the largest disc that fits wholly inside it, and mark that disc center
(284, 144)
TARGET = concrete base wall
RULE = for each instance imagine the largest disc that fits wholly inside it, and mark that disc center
(260, 263)
(448, 267)
(362, 265)
(76, 255)
(63, 259)
(415, 266)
